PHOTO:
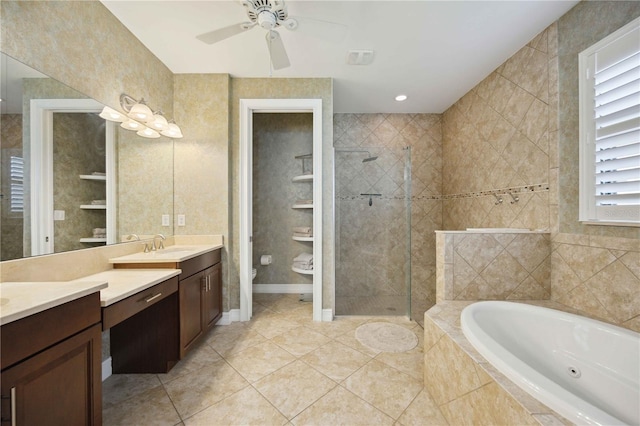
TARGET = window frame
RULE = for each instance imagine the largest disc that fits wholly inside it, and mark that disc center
(589, 212)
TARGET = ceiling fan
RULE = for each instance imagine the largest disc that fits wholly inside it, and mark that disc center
(272, 14)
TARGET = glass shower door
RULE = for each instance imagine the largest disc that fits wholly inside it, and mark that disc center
(373, 231)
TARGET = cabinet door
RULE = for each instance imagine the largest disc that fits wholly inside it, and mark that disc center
(212, 308)
(191, 291)
(59, 386)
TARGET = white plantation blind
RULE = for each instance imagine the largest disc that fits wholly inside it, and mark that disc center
(16, 171)
(610, 128)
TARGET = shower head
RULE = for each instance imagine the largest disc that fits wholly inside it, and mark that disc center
(370, 158)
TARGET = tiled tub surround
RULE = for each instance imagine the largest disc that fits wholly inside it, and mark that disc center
(466, 388)
(599, 276)
(477, 265)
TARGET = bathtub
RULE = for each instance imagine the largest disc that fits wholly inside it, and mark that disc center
(586, 370)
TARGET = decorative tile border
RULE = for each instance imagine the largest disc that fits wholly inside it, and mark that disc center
(540, 187)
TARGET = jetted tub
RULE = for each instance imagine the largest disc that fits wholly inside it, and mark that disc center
(586, 370)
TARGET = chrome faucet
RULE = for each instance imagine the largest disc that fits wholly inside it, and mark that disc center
(161, 245)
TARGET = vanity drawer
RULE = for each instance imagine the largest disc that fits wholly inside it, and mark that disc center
(118, 312)
(199, 263)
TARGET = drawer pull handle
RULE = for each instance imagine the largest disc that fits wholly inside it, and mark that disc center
(13, 406)
(153, 297)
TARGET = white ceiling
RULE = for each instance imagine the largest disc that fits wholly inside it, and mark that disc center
(432, 51)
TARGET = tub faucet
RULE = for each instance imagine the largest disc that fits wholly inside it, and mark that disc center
(161, 245)
(132, 236)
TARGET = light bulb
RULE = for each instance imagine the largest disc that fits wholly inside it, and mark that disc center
(112, 115)
(401, 98)
(140, 112)
(148, 133)
(173, 131)
(132, 125)
(158, 122)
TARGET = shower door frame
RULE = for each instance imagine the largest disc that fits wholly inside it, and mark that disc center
(247, 108)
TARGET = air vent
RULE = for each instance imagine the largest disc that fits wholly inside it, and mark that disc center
(360, 57)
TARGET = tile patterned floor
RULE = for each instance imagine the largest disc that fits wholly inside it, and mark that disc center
(281, 368)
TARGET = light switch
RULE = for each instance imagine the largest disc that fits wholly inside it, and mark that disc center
(58, 215)
(181, 220)
(166, 220)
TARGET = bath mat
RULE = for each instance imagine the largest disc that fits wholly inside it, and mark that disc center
(386, 337)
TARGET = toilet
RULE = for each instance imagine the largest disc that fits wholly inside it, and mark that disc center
(254, 272)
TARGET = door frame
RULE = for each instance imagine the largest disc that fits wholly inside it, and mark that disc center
(247, 108)
(41, 169)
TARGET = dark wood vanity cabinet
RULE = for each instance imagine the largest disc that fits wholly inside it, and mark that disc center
(51, 369)
(200, 298)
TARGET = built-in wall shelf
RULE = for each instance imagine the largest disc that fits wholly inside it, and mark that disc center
(303, 178)
(93, 207)
(94, 177)
(302, 206)
(93, 240)
(302, 271)
(302, 238)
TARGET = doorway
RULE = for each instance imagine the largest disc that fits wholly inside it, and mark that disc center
(247, 108)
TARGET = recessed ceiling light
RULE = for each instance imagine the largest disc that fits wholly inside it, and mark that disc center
(401, 98)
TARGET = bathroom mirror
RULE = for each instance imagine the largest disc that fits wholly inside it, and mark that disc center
(70, 180)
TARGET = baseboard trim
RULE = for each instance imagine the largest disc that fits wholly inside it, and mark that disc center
(327, 315)
(283, 288)
(228, 317)
(106, 369)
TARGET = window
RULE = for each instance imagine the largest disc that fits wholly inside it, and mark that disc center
(17, 184)
(610, 129)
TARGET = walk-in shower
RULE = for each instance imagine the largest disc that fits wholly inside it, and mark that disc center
(373, 231)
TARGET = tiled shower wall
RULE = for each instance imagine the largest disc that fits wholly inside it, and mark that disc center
(422, 132)
(496, 139)
(277, 140)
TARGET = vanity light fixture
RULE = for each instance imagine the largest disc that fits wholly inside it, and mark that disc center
(401, 98)
(173, 131)
(141, 119)
(148, 133)
(132, 125)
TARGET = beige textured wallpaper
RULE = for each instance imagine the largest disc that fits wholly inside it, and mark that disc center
(277, 139)
(66, 40)
(201, 165)
(10, 223)
(78, 149)
(277, 88)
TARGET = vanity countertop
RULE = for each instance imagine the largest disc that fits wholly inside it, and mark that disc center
(176, 253)
(21, 299)
(126, 282)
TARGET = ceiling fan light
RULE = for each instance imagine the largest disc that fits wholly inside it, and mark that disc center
(132, 125)
(148, 133)
(267, 20)
(173, 131)
(158, 122)
(140, 112)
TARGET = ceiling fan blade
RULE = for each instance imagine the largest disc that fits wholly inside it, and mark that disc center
(325, 30)
(224, 33)
(277, 52)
